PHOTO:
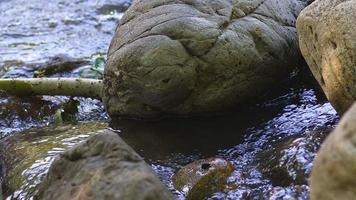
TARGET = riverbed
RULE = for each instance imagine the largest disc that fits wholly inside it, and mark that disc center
(271, 144)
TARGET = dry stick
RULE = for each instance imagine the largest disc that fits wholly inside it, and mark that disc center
(53, 86)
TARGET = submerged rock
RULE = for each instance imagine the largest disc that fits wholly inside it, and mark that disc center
(289, 161)
(60, 63)
(334, 172)
(202, 178)
(103, 167)
(327, 35)
(193, 57)
(26, 156)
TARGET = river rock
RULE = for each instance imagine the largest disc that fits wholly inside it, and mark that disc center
(202, 178)
(102, 167)
(327, 35)
(25, 157)
(198, 56)
(334, 172)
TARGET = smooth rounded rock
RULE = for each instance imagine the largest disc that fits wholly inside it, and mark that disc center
(25, 157)
(327, 35)
(194, 57)
(103, 167)
(334, 173)
(202, 178)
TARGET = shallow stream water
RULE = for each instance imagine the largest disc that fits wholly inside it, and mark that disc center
(271, 144)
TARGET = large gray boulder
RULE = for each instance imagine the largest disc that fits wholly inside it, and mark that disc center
(102, 168)
(185, 57)
(327, 34)
(334, 173)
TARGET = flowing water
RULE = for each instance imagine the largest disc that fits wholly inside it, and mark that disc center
(271, 144)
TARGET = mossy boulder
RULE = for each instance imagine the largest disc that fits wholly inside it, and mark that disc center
(26, 156)
(194, 57)
(202, 178)
(103, 167)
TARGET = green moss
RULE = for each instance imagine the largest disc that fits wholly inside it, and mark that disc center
(212, 182)
(203, 178)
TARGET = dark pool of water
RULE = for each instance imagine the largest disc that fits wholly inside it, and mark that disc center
(271, 144)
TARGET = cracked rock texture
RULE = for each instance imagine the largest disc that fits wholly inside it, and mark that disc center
(186, 57)
(334, 172)
(327, 34)
(103, 167)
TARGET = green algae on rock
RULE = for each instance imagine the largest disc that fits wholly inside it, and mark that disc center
(103, 167)
(202, 178)
(27, 155)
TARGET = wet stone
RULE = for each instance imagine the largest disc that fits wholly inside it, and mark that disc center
(103, 167)
(202, 178)
(60, 63)
(26, 156)
(290, 160)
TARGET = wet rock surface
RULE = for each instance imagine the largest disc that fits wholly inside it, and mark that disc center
(58, 64)
(193, 57)
(202, 178)
(289, 161)
(333, 176)
(26, 156)
(102, 167)
(328, 43)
